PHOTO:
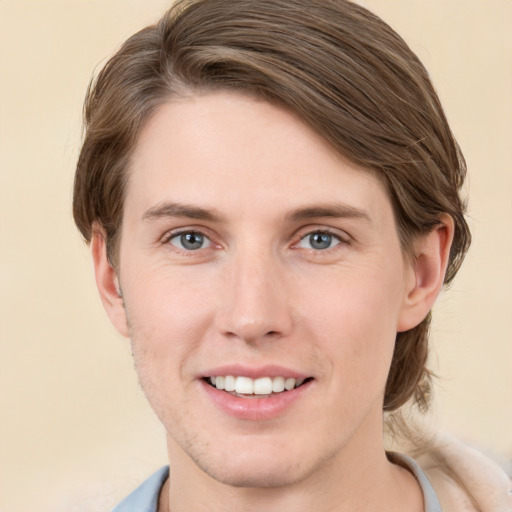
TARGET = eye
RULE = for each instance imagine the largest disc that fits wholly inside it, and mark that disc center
(190, 241)
(319, 241)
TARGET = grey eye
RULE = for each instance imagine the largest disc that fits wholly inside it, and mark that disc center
(319, 241)
(190, 241)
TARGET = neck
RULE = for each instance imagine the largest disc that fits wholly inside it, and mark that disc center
(358, 478)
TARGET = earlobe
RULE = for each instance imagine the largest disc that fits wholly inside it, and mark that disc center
(426, 276)
(108, 283)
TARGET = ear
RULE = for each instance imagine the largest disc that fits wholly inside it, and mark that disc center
(108, 283)
(425, 278)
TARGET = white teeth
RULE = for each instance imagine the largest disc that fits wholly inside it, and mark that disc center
(247, 386)
(229, 383)
(263, 386)
(278, 384)
(244, 386)
(219, 382)
(289, 384)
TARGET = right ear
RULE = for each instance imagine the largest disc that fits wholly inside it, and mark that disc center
(108, 283)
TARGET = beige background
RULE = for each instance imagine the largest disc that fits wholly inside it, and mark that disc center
(75, 431)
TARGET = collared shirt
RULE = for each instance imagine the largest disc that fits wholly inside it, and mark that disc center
(145, 497)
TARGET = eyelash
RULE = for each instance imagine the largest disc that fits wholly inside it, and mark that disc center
(176, 234)
(322, 232)
(167, 240)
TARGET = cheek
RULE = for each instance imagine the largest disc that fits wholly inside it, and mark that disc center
(354, 321)
(167, 319)
(168, 313)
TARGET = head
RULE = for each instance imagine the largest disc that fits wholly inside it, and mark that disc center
(337, 68)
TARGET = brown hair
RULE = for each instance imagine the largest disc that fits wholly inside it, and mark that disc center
(344, 71)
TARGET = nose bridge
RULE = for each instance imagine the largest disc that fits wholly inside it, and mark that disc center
(255, 302)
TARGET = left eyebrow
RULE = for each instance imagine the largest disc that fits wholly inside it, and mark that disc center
(170, 209)
(336, 210)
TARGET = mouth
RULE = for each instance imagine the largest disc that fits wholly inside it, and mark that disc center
(262, 387)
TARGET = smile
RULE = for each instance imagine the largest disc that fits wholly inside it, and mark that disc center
(246, 387)
(255, 394)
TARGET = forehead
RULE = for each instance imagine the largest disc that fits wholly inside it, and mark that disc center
(231, 151)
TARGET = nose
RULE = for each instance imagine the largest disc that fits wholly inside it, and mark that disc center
(255, 304)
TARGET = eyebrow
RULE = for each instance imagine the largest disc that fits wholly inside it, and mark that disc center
(335, 210)
(168, 209)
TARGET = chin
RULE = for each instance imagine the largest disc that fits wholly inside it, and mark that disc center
(252, 475)
(264, 465)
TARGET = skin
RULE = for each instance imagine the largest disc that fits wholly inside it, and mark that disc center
(257, 292)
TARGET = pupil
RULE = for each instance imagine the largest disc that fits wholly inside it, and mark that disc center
(320, 240)
(192, 240)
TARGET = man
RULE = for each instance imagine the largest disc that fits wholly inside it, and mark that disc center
(271, 192)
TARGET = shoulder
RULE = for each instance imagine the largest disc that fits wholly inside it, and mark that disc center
(464, 479)
(145, 497)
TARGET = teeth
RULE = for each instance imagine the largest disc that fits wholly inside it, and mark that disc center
(219, 382)
(244, 386)
(289, 384)
(263, 386)
(247, 386)
(278, 384)
(229, 383)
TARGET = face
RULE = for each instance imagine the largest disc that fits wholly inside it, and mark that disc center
(253, 258)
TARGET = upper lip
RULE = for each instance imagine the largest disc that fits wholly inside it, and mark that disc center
(254, 372)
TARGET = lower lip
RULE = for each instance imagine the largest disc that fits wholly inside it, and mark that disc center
(255, 409)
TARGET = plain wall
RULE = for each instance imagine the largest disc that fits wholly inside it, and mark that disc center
(75, 431)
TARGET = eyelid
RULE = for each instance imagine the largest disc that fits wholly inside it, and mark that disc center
(341, 235)
(173, 233)
(178, 236)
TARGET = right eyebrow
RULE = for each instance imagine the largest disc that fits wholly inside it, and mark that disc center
(331, 210)
(170, 209)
